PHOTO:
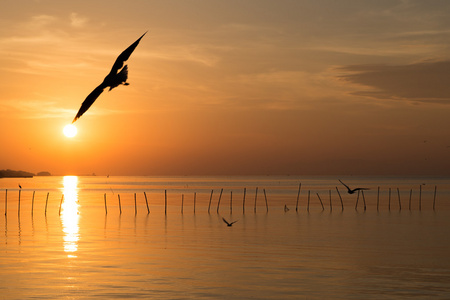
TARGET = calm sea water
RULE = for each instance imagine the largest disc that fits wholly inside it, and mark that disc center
(62, 241)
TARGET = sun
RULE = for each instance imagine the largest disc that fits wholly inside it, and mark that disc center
(70, 130)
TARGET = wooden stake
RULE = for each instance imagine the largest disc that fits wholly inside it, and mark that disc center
(298, 196)
(18, 210)
(220, 197)
(321, 203)
(120, 206)
(410, 196)
(378, 198)
(32, 203)
(231, 202)
(135, 205)
(165, 202)
(243, 201)
(106, 209)
(146, 203)
(60, 204)
(182, 202)
(399, 202)
(309, 192)
(210, 198)
(267, 205)
(364, 199)
(420, 197)
(434, 198)
(6, 202)
(256, 196)
(389, 205)
(331, 205)
(46, 202)
(357, 200)
(195, 196)
(342, 202)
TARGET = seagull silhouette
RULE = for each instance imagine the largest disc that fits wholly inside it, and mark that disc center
(116, 76)
(228, 224)
(350, 191)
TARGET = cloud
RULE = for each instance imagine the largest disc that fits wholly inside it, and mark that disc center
(77, 21)
(419, 82)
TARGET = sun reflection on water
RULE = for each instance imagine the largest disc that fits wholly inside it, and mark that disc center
(70, 215)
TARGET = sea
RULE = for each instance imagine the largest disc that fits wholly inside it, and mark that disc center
(293, 237)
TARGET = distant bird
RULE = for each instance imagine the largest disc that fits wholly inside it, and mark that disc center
(350, 191)
(286, 209)
(20, 187)
(116, 76)
(228, 224)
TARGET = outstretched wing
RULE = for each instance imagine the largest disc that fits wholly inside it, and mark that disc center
(88, 101)
(233, 222)
(345, 185)
(123, 57)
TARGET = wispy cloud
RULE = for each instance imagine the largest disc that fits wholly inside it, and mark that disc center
(423, 81)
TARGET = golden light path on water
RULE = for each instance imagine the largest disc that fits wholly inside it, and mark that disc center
(70, 215)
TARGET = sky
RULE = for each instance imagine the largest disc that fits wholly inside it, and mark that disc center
(227, 87)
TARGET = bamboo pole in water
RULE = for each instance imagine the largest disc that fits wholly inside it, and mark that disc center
(399, 202)
(243, 201)
(342, 202)
(298, 196)
(106, 208)
(364, 199)
(18, 209)
(210, 198)
(331, 205)
(165, 202)
(309, 193)
(410, 196)
(6, 202)
(389, 205)
(120, 206)
(357, 200)
(135, 205)
(231, 202)
(420, 197)
(60, 204)
(220, 197)
(321, 203)
(146, 203)
(46, 203)
(32, 203)
(378, 198)
(434, 198)
(265, 197)
(256, 196)
(195, 197)
(182, 202)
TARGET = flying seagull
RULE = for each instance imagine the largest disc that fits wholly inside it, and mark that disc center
(350, 191)
(116, 76)
(228, 224)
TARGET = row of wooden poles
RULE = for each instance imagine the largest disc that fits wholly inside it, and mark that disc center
(361, 192)
(195, 197)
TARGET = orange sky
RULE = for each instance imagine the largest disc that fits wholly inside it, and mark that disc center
(227, 87)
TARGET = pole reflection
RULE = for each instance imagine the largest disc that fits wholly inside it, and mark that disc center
(70, 215)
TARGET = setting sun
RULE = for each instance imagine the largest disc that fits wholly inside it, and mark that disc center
(70, 130)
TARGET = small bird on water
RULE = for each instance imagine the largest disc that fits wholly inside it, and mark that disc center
(116, 76)
(20, 187)
(228, 223)
(350, 191)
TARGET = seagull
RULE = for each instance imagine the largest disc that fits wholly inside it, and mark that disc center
(228, 224)
(350, 191)
(116, 76)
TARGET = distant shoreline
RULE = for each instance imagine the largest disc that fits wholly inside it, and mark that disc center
(20, 174)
